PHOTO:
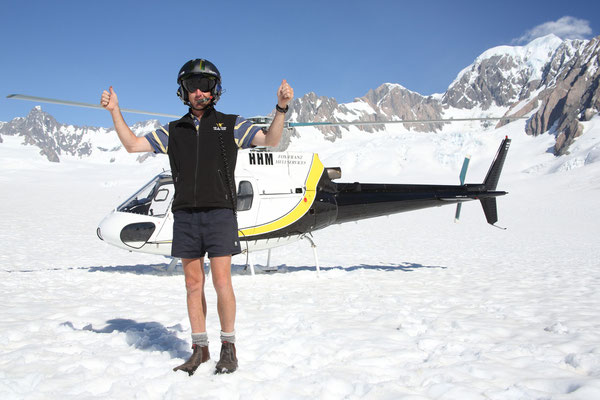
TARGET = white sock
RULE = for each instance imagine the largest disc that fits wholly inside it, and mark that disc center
(200, 339)
(228, 337)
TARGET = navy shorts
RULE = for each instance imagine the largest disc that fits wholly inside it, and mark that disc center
(200, 231)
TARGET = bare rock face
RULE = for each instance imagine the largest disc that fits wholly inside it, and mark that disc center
(41, 129)
(54, 139)
(575, 89)
(588, 114)
(389, 102)
(313, 108)
(497, 80)
(504, 75)
(394, 102)
(567, 88)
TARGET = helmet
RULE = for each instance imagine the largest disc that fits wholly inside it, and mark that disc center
(198, 66)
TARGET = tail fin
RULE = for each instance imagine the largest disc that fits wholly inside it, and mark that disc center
(490, 210)
(491, 182)
(493, 175)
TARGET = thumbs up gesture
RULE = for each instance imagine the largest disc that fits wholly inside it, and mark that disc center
(285, 94)
(109, 100)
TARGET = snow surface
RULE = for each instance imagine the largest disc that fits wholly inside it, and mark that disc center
(410, 306)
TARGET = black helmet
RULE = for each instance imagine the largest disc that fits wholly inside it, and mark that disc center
(198, 66)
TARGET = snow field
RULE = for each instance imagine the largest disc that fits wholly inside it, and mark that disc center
(410, 306)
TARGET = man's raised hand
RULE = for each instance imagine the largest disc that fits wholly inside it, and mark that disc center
(109, 100)
(285, 94)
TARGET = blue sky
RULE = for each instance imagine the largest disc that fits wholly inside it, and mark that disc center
(74, 49)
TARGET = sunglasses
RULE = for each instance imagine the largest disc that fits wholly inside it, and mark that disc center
(204, 83)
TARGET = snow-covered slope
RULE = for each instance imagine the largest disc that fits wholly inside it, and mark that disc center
(57, 141)
(501, 75)
(554, 83)
(410, 306)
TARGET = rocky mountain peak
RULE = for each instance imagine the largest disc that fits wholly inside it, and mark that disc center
(502, 75)
(554, 81)
(41, 129)
(395, 102)
(568, 91)
(387, 102)
(55, 139)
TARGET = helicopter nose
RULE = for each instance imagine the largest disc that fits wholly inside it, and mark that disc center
(99, 233)
(137, 234)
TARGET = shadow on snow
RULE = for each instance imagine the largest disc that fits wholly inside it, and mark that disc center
(147, 336)
(238, 269)
(242, 269)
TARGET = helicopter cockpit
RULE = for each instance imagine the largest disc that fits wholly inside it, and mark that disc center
(152, 199)
(155, 197)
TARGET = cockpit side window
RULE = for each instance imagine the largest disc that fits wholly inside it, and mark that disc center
(153, 199)
(245, 195)
(140, 202)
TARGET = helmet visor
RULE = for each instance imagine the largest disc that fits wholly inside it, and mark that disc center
(205, 83)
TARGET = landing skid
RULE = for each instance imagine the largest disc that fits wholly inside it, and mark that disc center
(172, 265)
(174, 261)
(268, 268)
(314, 247)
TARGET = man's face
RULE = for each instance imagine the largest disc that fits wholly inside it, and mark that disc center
(199, 88)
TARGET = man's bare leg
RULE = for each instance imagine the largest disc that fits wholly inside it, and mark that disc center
(193, 269)
(221, 274)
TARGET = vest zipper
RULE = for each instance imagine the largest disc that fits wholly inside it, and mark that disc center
(197, 159)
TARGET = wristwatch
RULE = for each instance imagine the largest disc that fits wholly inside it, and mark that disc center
(282, 110)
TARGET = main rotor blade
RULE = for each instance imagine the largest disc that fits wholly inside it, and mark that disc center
(86, 105)
(291, 124)
(405, 121)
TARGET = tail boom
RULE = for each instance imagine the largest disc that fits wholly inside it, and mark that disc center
(357, 201)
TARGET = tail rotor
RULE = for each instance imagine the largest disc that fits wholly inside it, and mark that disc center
(463, 174)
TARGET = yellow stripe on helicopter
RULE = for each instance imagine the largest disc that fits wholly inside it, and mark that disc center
(314, 175)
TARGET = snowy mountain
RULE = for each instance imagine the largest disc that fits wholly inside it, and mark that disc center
(502, 75)
(55, 139)
(569, 92)
(554, 82)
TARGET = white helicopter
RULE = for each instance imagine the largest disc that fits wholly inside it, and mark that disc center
(283, 197)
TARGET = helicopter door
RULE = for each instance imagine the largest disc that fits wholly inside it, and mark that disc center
(161, 208)
(162, 200)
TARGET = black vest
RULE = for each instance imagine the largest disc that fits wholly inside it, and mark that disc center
(199, 158)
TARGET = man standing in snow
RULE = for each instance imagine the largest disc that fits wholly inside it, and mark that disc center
(202, 148)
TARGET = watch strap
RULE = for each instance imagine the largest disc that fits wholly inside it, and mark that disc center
(282, 110)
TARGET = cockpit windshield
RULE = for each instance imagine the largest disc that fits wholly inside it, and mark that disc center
(153, 199)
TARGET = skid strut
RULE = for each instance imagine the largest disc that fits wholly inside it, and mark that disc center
(314, 247)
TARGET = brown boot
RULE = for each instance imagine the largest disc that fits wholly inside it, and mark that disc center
(199, 356)
(228, 361)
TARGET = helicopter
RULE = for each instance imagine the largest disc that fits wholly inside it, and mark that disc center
(282, 197)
